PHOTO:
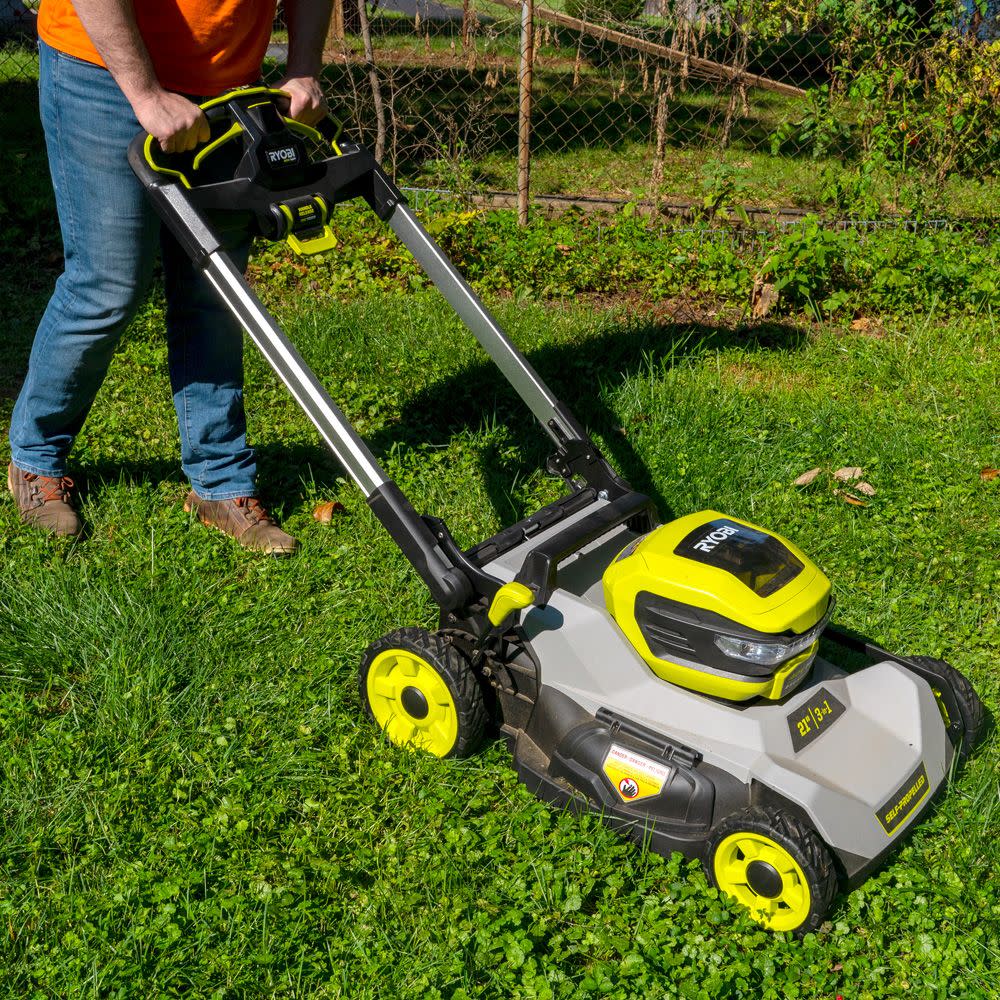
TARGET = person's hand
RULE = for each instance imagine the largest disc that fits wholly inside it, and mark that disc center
(306, 102)
(173, 121)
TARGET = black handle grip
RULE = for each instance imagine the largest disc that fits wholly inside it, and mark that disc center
(540, 566)
(226, 109)
(255, 166)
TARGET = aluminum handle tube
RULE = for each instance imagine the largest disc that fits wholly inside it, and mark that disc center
(474, 314)
(281, 354)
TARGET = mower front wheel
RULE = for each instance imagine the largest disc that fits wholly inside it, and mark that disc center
(972, 711)
(422, 692)
(776, 866)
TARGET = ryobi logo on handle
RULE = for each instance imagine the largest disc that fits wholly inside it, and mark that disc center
(283, 156)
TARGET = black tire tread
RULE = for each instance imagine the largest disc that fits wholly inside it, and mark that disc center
(974, 715)
(800, 840)
(453, 667)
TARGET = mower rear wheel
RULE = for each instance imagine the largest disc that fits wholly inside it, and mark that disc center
(971, 709)
(776, 866)
(422, 692)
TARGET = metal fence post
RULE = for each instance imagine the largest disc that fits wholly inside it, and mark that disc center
(524, 109)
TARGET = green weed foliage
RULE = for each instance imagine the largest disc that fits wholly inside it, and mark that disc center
(816, 267)
(925, 86)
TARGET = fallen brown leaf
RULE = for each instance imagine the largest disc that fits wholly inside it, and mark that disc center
(807, 477)
(848, 473)
(850, 498)
(866, 488)
(324, 512)
(763, 298)
(988, 474)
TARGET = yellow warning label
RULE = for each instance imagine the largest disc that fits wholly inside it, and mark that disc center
(634, 777)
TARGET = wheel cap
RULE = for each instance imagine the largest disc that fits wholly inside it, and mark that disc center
(411, 702)
(762, 875)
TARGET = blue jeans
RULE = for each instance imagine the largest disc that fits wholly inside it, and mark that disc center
(110, 238)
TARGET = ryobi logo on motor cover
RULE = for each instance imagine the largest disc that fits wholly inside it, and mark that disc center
(713, 538)
(756, 558)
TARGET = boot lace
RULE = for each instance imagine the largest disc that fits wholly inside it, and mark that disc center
(255, 512)
(48, 488)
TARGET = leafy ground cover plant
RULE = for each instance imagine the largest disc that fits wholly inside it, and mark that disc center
(817, 267)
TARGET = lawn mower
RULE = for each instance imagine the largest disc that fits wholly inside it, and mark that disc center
(667, 676)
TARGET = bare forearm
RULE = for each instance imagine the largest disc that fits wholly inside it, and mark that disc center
(308, 21)
(112, 28)
(175, 122)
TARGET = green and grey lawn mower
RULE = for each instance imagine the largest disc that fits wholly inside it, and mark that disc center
(666, 676)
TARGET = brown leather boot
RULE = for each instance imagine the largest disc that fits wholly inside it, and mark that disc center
(244, 519)
(44, 502)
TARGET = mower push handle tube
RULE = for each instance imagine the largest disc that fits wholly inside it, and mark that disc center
(449, 586)
(354, 173)
(540, 567)
(514, 365)
(189, 203)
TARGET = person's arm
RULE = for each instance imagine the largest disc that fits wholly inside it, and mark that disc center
(308, 21)
(176, 123)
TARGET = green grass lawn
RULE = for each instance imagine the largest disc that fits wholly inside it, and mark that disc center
(192, 802)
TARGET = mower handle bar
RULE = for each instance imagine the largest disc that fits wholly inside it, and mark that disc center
(233, 107)
(278, 189)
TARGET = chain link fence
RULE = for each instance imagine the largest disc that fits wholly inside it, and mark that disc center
(697, 107)
(18, 55)
(686, 104)
(617, 110)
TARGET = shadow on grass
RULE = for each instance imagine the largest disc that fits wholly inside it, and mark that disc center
(582, 374)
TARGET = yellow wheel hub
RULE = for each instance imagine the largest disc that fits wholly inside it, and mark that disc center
(411, 702)
(765, 878)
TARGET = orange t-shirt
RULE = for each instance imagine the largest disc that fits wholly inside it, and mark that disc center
(197, 46)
